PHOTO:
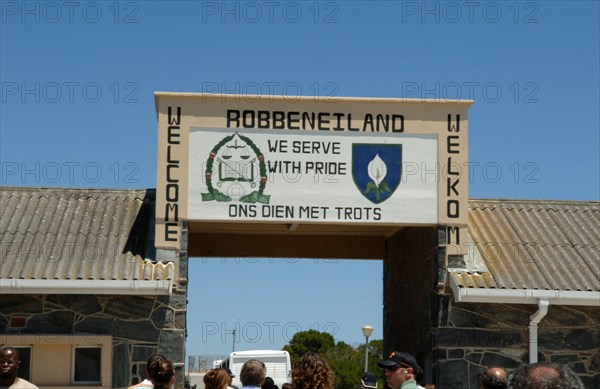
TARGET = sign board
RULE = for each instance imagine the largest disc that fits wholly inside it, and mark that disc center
(309, 177)
(268, 159)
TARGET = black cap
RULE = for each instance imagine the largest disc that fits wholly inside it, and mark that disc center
(402, 359)
(228, 371)
(369, 380)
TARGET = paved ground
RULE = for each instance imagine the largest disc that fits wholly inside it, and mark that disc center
(196, 379)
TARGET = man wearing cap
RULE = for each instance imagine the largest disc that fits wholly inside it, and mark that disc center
(368, 380)
(400, 370)
(232, 376)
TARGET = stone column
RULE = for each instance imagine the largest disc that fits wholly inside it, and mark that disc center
(409, 279)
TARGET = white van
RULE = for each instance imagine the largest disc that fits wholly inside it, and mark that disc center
(277, 362)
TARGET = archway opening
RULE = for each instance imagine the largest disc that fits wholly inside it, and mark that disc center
(268, 300)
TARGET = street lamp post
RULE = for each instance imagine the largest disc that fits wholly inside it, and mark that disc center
(367, 331)
(233, 340)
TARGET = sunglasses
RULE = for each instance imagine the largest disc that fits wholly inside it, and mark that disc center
(396, 367)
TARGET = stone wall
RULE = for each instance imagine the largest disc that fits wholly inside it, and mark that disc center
(456, 342)
(409, 276)
(140, 325)
(472, 336)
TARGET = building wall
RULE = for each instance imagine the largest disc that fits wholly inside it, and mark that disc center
(409, 279)
(472, 336)
(139, 325)
(455, 342)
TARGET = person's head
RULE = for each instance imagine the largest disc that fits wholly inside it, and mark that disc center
(494, 377)
(217, 379)
(311, 371)
(368, 380)
(153, 358)
(253, 373)
(543, 375)
(231, 375)
(269, 383)
(162, 374)
(9, 362)
(399, 368)
(287, 385)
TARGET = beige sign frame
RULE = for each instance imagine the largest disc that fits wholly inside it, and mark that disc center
(178, 113)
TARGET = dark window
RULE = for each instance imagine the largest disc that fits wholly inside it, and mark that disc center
(25, 366)
(87, 368)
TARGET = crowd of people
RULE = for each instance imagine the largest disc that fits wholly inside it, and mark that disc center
(311, 371)
(401, 371)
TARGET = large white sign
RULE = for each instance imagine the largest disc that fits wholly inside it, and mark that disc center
(310, 176)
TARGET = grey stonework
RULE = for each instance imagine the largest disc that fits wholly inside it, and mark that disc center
(455, 342)
(498, 334)
(140, 325)
(19, 305)
(409, 271)
(121, 357)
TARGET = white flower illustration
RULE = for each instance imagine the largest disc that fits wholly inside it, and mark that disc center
(377, 170)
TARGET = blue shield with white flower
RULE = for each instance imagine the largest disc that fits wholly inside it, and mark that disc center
(376, 170)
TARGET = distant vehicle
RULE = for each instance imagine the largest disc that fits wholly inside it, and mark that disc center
(277, 362)
(217, 363)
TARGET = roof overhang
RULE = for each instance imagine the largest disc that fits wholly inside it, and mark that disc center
(123, 287)
(523, 296)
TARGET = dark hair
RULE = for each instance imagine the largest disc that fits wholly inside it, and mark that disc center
(161, 373)
(544, 375)
(312, 372)
(269, 383)
(155, 357)
(217, 379)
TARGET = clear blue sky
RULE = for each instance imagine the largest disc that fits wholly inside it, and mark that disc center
(78, 111)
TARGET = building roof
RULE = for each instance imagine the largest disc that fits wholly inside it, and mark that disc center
(105, 234)
(79, 234)
(532, 244)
